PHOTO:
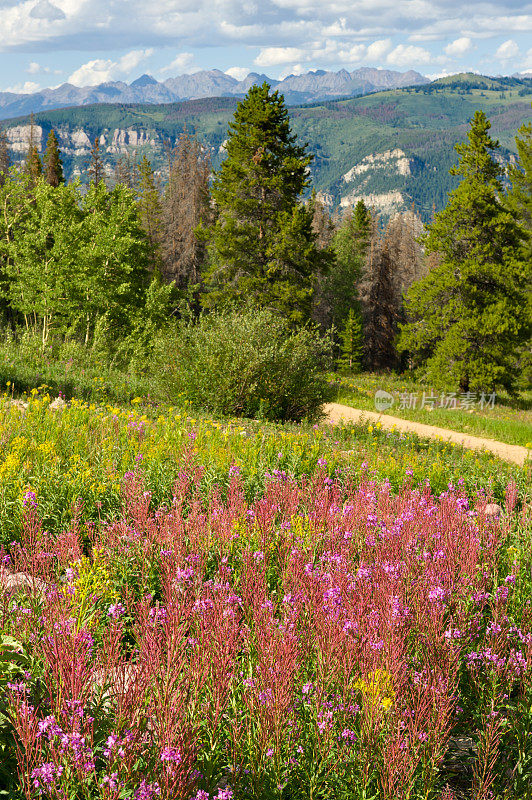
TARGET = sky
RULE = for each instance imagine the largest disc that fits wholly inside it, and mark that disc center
(44, 43)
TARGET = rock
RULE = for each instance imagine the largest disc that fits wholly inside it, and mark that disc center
(492, 510)
(13, 582)
(18, 404)
(58, 404)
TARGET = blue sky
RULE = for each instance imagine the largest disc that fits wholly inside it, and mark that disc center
(47, 42)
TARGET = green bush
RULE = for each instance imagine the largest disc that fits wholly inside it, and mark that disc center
(248, 364)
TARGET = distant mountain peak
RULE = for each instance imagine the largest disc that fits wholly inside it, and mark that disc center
(144, 80)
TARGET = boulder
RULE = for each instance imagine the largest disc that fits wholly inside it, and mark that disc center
(58, 404)
(13, 582)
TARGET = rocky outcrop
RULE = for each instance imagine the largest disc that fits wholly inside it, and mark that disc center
(18, 137)
(391, 161)
(365, 181)
(78, 142)
(387, 203)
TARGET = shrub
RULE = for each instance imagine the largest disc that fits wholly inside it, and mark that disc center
(247, 363)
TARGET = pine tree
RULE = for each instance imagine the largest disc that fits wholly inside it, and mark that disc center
(352, 344)
(257, 192)
(342, 285)
(95, 165)
(520, 196)
(378, 299)
(33, 164)
(4, 157)
(324, 232)
(520, 203)
(469, 315)
(403, 234)
(185, 207)
(53, 167)
(362, 221)
(322, 224)
(149, 206)
(126, 171)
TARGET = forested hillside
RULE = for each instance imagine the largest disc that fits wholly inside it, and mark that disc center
(403, 138)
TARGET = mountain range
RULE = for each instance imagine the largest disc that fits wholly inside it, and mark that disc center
(297, 89)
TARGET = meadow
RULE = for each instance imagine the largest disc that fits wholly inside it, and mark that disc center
(235, 609)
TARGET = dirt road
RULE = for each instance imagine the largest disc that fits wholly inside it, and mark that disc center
(336, 413)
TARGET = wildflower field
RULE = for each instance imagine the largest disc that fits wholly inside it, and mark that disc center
(202, 609)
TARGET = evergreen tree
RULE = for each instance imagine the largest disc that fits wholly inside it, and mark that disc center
(257, 192)
(4, 157)
(352, 344)
(520, 203)
(362, 221)
(342, 285)
(33, 164)
(378, 298)
(53, 167)
(149, 206)
(520, 196)
(468, 316)
(185, 207)
(95, 165)
(324, 232)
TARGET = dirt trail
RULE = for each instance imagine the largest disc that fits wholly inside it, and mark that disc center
(336, 413)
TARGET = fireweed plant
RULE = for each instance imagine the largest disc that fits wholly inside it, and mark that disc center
(329, 638)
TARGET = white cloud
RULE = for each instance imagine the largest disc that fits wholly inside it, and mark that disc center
(272, 56)
(34, 68)
(29, 87)
(47, 11)
(459, 47)
(180, 63)
(353, 54)
(405, 55)
(507, 51)
(377, 50)
(325, 53)
(526, 66)
(239, 73)
(97, 24)
(100, 70)
(443, 73)
(295, 69)
(276, 33)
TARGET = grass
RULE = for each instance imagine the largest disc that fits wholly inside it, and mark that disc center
(69, 370)
(509, 421)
